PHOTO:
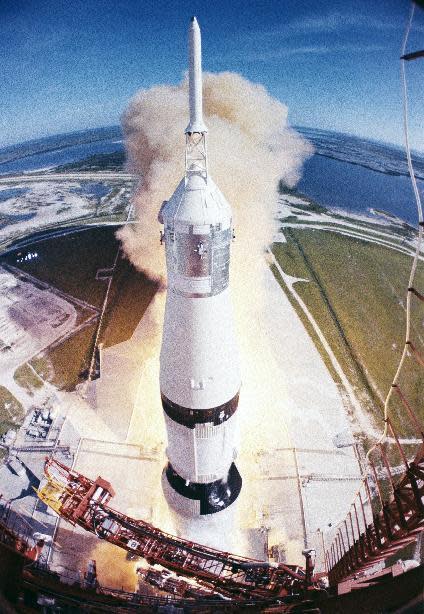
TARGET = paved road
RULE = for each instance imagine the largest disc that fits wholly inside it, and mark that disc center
(51, 233)
(79, 176)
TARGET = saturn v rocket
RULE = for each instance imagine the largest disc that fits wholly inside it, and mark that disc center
(199, 365)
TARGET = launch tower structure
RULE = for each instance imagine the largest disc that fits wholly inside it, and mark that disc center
(199, 364)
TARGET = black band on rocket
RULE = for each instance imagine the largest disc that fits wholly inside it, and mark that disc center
(190, 417)
(214, 496)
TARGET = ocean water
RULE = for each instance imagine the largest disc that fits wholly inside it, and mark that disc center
(57, 157)
(331, 182)
(91, 188)
(12, 193)
(354, 188)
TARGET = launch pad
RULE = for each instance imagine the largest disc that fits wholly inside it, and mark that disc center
(276, 512)
(294, 420)
(136, 472)
(275, 515)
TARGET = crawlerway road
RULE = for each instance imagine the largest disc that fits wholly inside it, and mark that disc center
(79, 176)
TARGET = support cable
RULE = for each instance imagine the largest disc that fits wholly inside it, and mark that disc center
(407, 343)
(371, 538)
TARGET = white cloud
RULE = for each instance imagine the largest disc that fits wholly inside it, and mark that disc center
(336, 22)
(283, 52)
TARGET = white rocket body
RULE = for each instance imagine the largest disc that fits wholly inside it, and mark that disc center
(199, 366)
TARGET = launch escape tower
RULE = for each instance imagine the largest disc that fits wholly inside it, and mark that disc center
(199, 365)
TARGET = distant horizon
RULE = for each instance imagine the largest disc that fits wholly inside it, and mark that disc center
(294, 127)
(70, 67)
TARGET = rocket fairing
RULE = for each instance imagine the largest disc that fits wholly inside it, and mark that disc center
(199, 365)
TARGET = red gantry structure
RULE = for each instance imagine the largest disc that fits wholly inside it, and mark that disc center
(397, 520)
(360, 541)
(84, 502)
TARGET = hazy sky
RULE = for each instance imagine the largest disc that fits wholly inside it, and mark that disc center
(68, 65)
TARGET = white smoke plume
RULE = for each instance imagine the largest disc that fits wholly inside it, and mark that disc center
(250, 148)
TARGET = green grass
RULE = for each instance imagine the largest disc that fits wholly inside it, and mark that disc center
(129, 297)
(357, 293)
(306, 323)
(359, 228)
(70, 263)
(27, 379)
(67, 360)
(11, 411)
(43, 367)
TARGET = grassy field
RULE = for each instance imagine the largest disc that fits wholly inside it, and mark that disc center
(11, 411)
(356, 292)
(130, 295)
(26, 378)
(70, 263)
(66, 361)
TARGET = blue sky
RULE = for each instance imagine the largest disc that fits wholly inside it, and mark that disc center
(70, 65)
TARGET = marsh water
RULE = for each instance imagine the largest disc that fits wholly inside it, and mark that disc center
(357, 189)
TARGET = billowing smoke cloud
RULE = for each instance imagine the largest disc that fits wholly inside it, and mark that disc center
(250, 148)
